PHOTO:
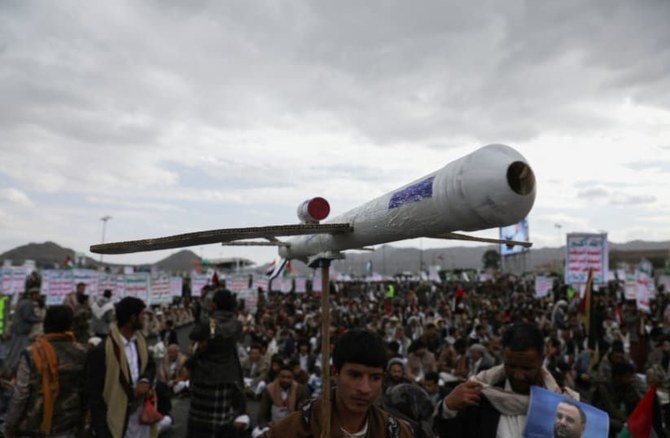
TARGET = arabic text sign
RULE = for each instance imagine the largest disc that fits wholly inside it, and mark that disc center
(584, 252)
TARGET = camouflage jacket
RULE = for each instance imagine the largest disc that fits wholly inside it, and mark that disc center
(27, 406)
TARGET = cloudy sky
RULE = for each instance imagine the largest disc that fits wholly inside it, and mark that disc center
(175, 116)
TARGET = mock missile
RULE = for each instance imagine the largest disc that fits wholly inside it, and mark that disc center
(489, 188)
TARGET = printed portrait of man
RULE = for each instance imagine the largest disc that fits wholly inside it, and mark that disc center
(569, 421)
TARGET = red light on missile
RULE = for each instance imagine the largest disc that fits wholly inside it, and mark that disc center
(313, 210)
(318, 208)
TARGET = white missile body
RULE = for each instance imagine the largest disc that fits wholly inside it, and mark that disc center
(489, 188)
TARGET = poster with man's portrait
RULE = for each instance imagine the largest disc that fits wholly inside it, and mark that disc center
(553, 415)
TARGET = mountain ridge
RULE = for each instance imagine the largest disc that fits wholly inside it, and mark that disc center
(386, 260)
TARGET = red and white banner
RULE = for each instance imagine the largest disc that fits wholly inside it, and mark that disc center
(543, 286)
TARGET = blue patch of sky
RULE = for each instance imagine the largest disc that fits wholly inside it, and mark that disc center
(6, 182)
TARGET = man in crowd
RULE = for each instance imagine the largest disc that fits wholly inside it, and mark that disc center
(218, 406)
(494, 403)
(120, 375)
(431, 384)
(480, 359)
(22, 323)
(618, 396)
(255, 369)
(281, 397)
(168, 335)
(420, 361)
(569, 421)
(304, 357)
(172, 369)
(358, 362)
(395, 374)
(72, 299)
(49, 395)
(102, 311)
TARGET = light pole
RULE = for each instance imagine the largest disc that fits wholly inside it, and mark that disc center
(558, 229)
(104, 220)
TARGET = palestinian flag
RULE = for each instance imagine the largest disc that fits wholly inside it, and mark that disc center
(645, 420)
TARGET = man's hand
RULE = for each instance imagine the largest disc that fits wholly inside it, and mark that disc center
(464, 395)
(142, 389)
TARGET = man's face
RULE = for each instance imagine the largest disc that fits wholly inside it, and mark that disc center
(137, 321)
(396, 372)
(623, 380)
(551, 350)
(173, 353)
(285, 379)
(568, 422)
(304, 349)
(430, 387)
(617, 357)
(523, 369)
(357, 387)
(81, 288)
(254, 354)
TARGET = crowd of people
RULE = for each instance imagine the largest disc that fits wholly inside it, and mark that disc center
(456, 358)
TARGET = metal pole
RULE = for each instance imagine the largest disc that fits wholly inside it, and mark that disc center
(420, 256)
(104, 220)
(325, 347)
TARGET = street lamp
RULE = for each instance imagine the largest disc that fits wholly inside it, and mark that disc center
(559, 227)
(104, 220)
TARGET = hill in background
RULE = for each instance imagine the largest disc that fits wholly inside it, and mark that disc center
(387, 260)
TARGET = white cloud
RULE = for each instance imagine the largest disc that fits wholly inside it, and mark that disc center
(15, 197)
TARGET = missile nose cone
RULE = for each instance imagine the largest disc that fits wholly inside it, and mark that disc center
(520, 178)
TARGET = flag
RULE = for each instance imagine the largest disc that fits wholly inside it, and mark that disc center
(278, 268)
(368, 267)
(640, 423)
(68, 263)
(288, 270)
(215, 280)
(585, 310)
(271, 268)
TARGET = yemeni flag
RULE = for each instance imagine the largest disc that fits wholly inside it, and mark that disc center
(271, 268)
(277, 269)
(644, 421)
(585, 310)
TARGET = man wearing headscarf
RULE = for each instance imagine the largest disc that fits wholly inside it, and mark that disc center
(49, 395)
(494, 403)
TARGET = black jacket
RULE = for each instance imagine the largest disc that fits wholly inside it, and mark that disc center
(474, 421)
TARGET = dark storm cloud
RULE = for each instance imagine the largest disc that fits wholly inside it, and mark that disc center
(396, 72)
